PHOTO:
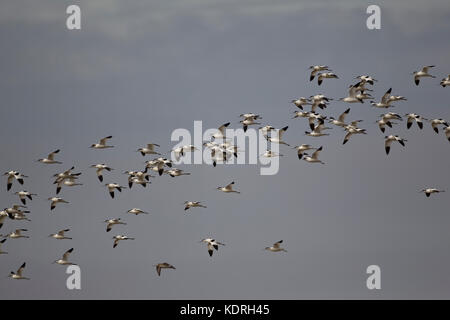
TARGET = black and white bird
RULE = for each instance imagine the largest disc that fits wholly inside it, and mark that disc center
(65, 258)
(391, 138)
(71, 182)
(276, 247)
(435, 123)
(16, 234)
(174, 172)
(13, 175)
(228, 188)
(314, 158)
(340, 121)
(300, 102)
(102, 144)
(429, 191)
(445, 82)
(447, 132)
(60, 235)
(120, 238)
(413, 117)
(114, 186)
(25, 194)
(149, 149)
(325, 75)
(385, 101)
(61, 177)
(163, 265)
(366, 78)
(137, 211)
(352, 130)
(220, 134)
(55, 200)
(278, 136)
(18, 274)
(353, 95)
(99, 170)
(421, 74)
(211, 245)
(193, 204)
(112, 222)
(301, 149)
(50, 158)
(315, 69)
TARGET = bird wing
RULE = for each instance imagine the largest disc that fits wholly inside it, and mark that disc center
(52, 155)
(103, 141)
(66, 254)
(315, 154)
(19, 271)
(343, 114)
(277, 244)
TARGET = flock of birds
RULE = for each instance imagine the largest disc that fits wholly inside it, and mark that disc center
(222, 149)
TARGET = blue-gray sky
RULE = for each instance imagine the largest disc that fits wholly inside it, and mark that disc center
(139, 69)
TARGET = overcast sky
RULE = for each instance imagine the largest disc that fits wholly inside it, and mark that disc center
(137, 70)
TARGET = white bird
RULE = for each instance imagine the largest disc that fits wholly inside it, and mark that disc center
(220, 134)
(65, 258)
(13, 175)
(314, 158)
(271, 154)
(1, 243)
(422, 73)
(120, 238)
(301, 149)
(55, 200)
(99, 170)
(389, 139)
(112, 186)
(18, 274)
(351, 130)
(102, 144)
(326, 75)
(300, 102)
(158, 164)
(414, 117)
(181, 151)
(447, 133)
(397, 98)
(228, 188)
(278, 136)
(250, 115)
(429, 191)
(445, 82)
(319, 100)
(353, 95)
(16, 234)
(192, 204)
(276, 247)
(383, 123)
(176, 172)
(50, 158)
(317, 132)
(391, 116)
(436, 122)
(69, 183)
(60, 177)
(60, 235)
(211, 245)
(111, 222)
(340, 121)
(25, 194)
(315, 69)
(266, 129)
(366, 78)
(149, 149)
(137, 211)
(385, 101)
(163, 265)
(248, 122)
